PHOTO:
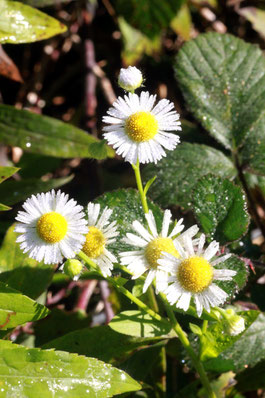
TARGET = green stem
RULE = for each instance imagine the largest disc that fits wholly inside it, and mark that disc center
(185, 342)
(204, 326)
(122, 289)
(136, 168)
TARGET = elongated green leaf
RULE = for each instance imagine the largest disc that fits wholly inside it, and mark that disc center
(47, 136)
(148, 16)
(256, 17)
(247, 351)
(4, 207)
(221, 209)
(34, 372)
(139, 324)
(21, 272)
(17, 309)
(6, 172)
(178, 173)
(216, 339)
(127, 207)
(20, 23)
(16, 191)
(99, 342)
(46, 3)
(223, 79)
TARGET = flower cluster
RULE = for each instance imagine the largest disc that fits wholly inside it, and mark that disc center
(52, 227)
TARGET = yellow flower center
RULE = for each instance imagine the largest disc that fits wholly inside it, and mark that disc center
(141, 126)
(52, 227)
(195, 274)
(95, 243)
(156, 247)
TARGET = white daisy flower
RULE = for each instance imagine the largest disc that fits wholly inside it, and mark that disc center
(151, 245)
(51, 227)
(130, 79)
(101, 234)
(193, 274)
(138, 130)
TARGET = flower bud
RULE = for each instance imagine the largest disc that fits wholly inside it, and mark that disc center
(130, 78)
(73, 268)
(234, 324)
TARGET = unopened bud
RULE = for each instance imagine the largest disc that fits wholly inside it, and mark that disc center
(234, 324)
(130, 79)
(73, 268)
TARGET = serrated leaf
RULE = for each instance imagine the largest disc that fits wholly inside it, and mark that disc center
(178, 173)
(220, 208)
(99, 342)
(238, 281)
(127, 207)
(252, 155)
(16, 191)
(222, 79)
(47, 136)
(32, 372)
(17, 309)
(247, 351)
(21, 272)
(20, 23)
(136, 44)
(216, 340)
(6, 172)
(148, 16)
(139, 324)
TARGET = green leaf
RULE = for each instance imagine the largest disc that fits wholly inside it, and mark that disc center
(247, 351)
(20, 23)
(4, 207)
(222, 79)
(258, 295)
(215, 340)
(148, 16)
(99, 342)
(256, 17)
(6, 172)
(47, 136)
(139, 324)
(47, 3)
(239, 280)
(252, 155)
(178, 173)
(182, 23)
(220, 208)
(34, 372)
(127, 207)
(21, 272)
(136, 44)
(17, 309)
(16, 191)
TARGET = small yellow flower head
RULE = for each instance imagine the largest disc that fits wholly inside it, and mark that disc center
(52, 227)
(156, 247)
(234, 324)
(73, 268)
(195, 274)
(141, 126)
(95, 243)
(130, 79)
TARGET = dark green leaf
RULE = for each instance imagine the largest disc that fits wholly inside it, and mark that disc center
(221, 209)
(16, 191)
(258, 295)
(251, 379)
(47, 136)
(17, 309)
(139, 324)
(20, 23)
(99, 342)
(216, 340)
(247, 351)
(34, 372)
(178, 173)
(127, 207)
(148, 16)
(222, 79)
(252, 154)
(21, 272)
(6, 172)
